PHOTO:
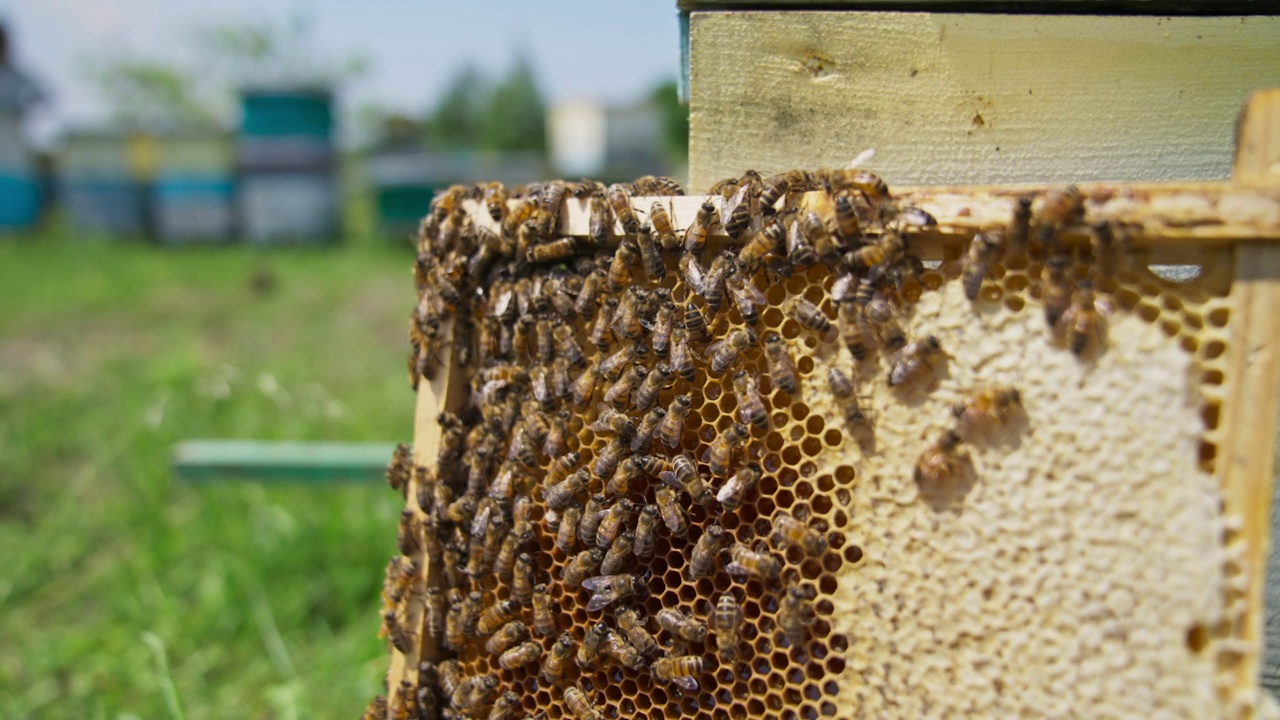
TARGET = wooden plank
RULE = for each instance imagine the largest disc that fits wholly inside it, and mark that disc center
(1117, 7)
(967, 98)
(1158, 216)
(258, 461)
(1249, 468)
(447, 391)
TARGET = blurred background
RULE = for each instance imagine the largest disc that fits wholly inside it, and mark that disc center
(205, 213)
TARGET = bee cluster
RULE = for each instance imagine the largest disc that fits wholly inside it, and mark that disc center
(615, 525)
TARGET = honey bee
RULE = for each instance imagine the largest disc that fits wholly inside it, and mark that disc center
(913, 360)
(746, 297)
(616, 556)
(559, 496)
(680, 671)
(771, 236)
(984, 249)
(462, 510)
(647, 394)
(473, 692)
(735, 212)
(496, 615)
(505, 705)
(1055, 288)
(376, 710)
(693, 273)
(751, 410)
(553, 196)
(613, 365)
(544, 621)
(589, 650)
(672, 427)
(557, 429)
(401, 638)
(702, 559)
(1020, 224)
(617, 647)
(807, 314)
(454, 637)
(681, 625)
(552, 251)
(576, 700)
(1106, 255)
(553, 665)
(695, 236)
(608, 589)
(800, 252)
(663, 324)
(619, 274)
(522, 522)
(506, 636)
(409, 535)
(660, 219)
(591, 515)
(882, 319)
(611, 523)
(695, 323)
(865, 182)
(632, 624)
(735, 489)
(713, 283)
(436, 613)
(601, 334)
(607, 460)
(818, 236)
(887, 251)
(850, 328)
(561, 467)
(684, 476)
(400, 468)
(724, 353)
(581, 566)
(651, 255)
(567, 534)
(567, 346)
(585, 304)
(941, 461)
(671, 512)
(522, 654)
(989, 406)
(520, 216)
(681, 354)
(646, 531)
(626, 474)
(649, 425)
(611, 421)
(795, 614)
(1082, 322)
(620, 202)
(620, 392)
(452, 436)
(846, 221)
(781, 371)
(522, 337)
(727, 623)
(777, 186)
(600, 223)
(789, 532)
(725, 447)
(745, 562)
(843, 389)
(558, 377)
(1058, 209)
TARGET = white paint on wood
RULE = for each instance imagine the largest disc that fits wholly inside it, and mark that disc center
(966, 98)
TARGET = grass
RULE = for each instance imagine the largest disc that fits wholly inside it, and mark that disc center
(124, 595)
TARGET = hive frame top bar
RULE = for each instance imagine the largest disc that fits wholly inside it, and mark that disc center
(1157, 216)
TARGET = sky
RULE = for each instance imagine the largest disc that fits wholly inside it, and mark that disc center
(607, 50)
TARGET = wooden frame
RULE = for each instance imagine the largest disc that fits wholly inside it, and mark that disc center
(1242, 215)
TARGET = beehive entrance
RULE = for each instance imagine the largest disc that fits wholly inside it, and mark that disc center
(1066, 555)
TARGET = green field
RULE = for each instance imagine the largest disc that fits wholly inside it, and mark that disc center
(125, 595)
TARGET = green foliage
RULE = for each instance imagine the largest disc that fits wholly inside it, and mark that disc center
(475, 113)
(155, 93)
(675, 121)
(125, 595)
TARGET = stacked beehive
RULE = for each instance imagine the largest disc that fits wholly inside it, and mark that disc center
(807, 474)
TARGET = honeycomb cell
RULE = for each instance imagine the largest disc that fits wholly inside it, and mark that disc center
(1212, 349)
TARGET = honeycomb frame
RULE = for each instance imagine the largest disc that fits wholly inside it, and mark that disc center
(816, 469)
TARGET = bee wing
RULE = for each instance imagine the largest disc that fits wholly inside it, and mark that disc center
(727, 490)
(596, 583)
(728, 206)
(737, 570)
(685, 683)
(862, 157)
(1104, 306)
(480, 522)
(600, 600)
(669, 477)
(712, 348)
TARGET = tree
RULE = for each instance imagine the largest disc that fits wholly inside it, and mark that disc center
(675, 120)
(515, 116)
(456, 120)
(148, 94)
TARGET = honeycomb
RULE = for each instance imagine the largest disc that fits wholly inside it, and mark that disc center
(1070, 555)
